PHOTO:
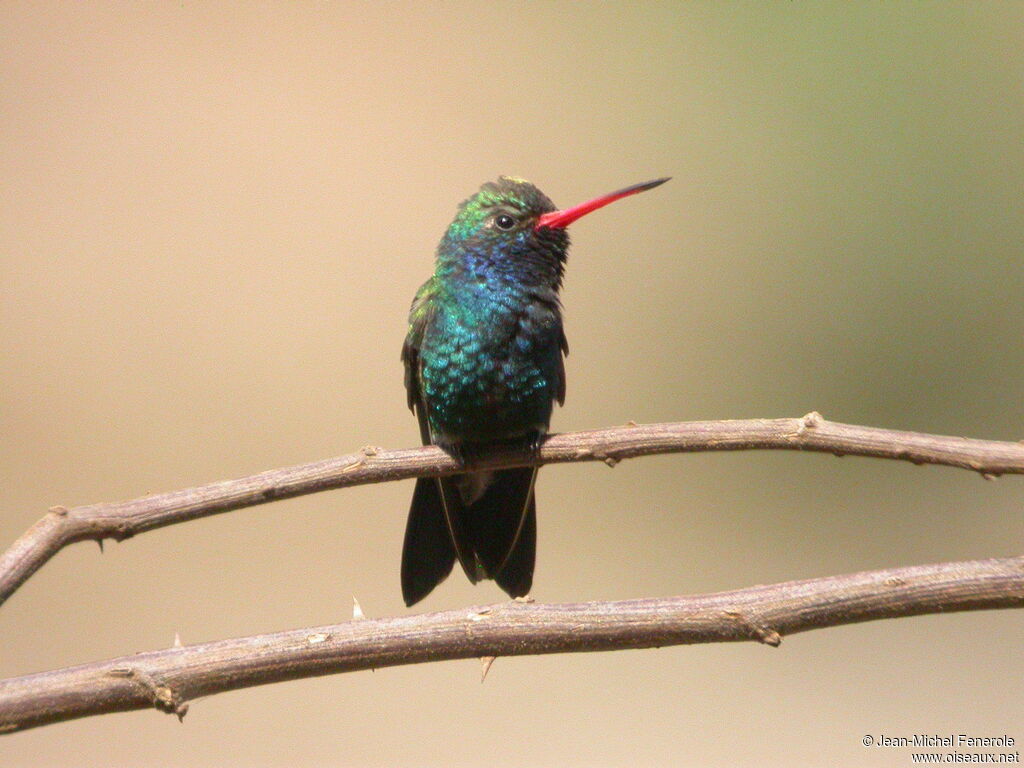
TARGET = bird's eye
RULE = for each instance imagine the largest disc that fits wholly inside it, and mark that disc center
(504, 221)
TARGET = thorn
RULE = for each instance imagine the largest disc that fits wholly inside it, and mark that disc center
(62, 511)
(177, 641)
(370, 450)
(631, 423)
(485, 666)
(812, 420)
(990, 475)
(357, 610)
(163, 696)
(768, 636)
(762, 633)
(100, 542)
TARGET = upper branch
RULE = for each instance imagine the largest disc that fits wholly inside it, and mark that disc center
(168, 679)
(811, 433)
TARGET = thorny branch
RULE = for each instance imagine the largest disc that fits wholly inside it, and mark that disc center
(121, 520)
(169, 679)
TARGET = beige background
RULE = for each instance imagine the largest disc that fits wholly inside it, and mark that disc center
(214, 216)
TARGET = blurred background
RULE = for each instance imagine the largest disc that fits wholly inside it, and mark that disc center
(215, 216)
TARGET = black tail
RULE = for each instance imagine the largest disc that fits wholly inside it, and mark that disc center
(490, 528)
(428, 554)
(516, 577)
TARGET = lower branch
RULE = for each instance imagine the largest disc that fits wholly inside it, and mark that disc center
(169, 679)
(121, 520)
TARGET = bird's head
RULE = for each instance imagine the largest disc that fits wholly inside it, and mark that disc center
(511, 226)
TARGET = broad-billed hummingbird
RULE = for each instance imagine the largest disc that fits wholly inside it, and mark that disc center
(483, 368)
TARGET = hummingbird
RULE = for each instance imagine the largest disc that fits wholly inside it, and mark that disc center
(484, 365)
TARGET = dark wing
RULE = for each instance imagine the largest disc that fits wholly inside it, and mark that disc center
(419, 316)
(516, 576)
(434, 534)
(427, 554)
(497, 520)
(563, 345)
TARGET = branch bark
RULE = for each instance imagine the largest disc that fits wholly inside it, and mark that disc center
(169, 679)
(61, 526)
